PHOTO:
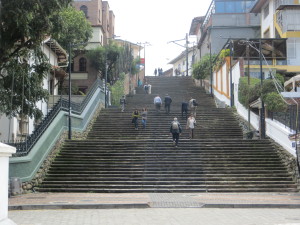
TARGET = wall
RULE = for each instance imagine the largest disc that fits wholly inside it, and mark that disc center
(5, 152)
(219, 36)
(235, 20)
(267, 22)
(26, 167)
(94, 10)
(274, 129)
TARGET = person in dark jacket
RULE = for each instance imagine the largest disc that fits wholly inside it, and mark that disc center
(184, 109)
(135, 118)
(168, 101)
(175, 130)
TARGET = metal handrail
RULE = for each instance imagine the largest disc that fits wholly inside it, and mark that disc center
(23, 148)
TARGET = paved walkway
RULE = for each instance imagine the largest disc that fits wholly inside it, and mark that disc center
(153, 200)
(157, 216)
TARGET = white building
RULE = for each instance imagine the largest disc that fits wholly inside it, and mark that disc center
(179, 63)
(15, 129)
(281, 19)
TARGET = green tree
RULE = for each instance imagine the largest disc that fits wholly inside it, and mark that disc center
(118, 90)
(109, 54)
(24, 24)
(201, 69)
(75, 28)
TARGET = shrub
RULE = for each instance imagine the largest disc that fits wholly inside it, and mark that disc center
(274, 102)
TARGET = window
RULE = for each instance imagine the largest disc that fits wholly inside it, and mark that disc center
(84, 9)
(266, 11)
(82, 64)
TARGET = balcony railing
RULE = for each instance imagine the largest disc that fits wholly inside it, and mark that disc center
(279, 4)
(23, 148)
(288, 19)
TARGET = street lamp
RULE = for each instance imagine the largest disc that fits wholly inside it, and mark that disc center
(70, 88)
(106, 68)
(70, 92)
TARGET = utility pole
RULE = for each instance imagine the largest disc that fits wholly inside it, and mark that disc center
(262, 111)
(186, 46)
(145, 44)
(187, 54)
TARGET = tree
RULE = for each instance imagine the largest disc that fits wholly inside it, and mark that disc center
(23, 65)
(75, 28)
(109, 54)
(201, 69)
(23, 26)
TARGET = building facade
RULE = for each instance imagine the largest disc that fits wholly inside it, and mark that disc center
(17, 128)
(281, 19)
(179, 63)
(103, 24)
(226, 19)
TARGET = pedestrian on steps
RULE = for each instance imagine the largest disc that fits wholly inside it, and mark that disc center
(193, 106)
(168, 101)
(157, 103)
(135, 119)
(175, 130)
(122, 103)
(184, 109)
(190, 124)
(144, 114)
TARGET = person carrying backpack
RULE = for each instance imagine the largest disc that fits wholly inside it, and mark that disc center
(175, 130)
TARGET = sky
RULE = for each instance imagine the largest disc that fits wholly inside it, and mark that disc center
(157, 22)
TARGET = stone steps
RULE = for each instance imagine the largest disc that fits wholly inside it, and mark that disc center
(117, 158)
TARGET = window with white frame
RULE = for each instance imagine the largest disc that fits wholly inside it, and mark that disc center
(266, 11)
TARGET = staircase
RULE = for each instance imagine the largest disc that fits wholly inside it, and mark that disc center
(117, 158)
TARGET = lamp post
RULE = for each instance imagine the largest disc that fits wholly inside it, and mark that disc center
(105, 85)
(262, 113)
(70, 93)
(211, 70)
(70, 89)
(106, 71)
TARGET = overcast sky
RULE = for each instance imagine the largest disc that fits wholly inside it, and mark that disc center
(157, 22)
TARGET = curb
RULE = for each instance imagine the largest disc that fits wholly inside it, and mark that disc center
(79, 206)
(145, 206)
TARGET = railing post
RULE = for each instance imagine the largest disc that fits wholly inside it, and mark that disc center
(5, 152)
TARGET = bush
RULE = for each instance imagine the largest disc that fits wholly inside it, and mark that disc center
(201, 69)
(248, 93)
(274, 102)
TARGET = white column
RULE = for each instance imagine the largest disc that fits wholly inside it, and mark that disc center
(5, 152)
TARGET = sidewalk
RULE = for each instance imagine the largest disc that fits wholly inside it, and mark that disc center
(153, 200)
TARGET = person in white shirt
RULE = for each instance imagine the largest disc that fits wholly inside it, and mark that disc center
(157, 103)
(190, 124)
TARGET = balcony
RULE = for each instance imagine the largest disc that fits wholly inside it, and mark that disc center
(288, 19)
(281, 4)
